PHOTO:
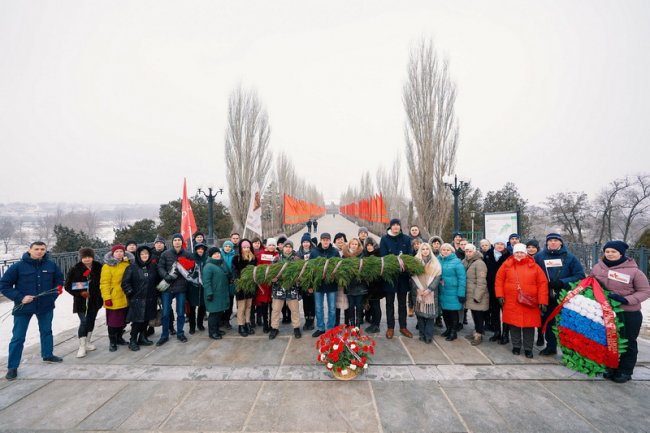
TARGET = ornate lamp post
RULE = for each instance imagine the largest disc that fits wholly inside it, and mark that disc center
(472, 214)
(456, 189)
(210, 196)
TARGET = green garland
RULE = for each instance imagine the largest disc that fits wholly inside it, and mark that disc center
(312, 273)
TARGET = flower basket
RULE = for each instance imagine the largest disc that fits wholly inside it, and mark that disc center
(345, 351)
(587, 328)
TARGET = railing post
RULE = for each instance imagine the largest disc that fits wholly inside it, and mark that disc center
(595, 254)
(643, 260)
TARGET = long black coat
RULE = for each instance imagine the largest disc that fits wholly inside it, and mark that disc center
(76, 275)
(139, 286)
(493, 266)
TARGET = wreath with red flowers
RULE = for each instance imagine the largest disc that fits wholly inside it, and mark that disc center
(345, 350)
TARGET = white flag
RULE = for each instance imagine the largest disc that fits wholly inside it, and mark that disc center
(254, 218)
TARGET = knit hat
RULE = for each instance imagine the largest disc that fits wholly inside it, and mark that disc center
(340, 235)
(229, 244)
(519, 248)
(245, 243)
(514, 235)
(271, 241)
(533, 243)
(325, 235)
(395, 221)
(213, 250)
(159, 239)
(619, 246)
(500, 241)
(200, 245)
(288, 242)
(117, 247)
(363, 230)
(305, 237)
(197, 234)
(554, 236)
(282, 239)
(130, 242)
(470, 247)
(456, 234)
(179, 236)
(86, 252)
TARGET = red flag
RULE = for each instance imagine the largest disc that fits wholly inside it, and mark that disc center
(188, 224)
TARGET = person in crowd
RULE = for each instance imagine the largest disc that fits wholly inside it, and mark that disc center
(172, 258)
(532, 247)
(256, 242)
(415, 246)
(308, 302)
(281, 240)
(356, 290)
(198, 238)
(456, 238)
(32, 296)
(289, 296)
(560, 268)
(158, 248)
(363, 235)
(494, 259)
(415, 233)
(139, 286)
(628, 285)
(115, 301)
(340, 242)
(82, 282)
(227, 255)
(235, 238)
(263, 297)
(315, 224)
(396, 242)
(326, 290)
(244, 258)
(452, 290)
(424, 288)
(477, 296)
(131, 246)
(522, 291)
(216, 284)
(513, 240)
(460, 253)
(196, 311)
(375, 289)
(308, 226)
(436, 242)
(484, 246)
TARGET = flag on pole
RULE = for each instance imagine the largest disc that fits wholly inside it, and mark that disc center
(188, 224)
(254, 217)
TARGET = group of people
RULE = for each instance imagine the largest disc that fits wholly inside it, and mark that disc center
(508, 287)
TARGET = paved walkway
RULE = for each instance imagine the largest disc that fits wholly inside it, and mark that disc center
(256, 385)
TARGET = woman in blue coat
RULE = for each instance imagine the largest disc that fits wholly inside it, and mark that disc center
(452, 289)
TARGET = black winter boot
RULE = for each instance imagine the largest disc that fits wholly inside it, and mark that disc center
(446, 333)
(143, 340)
(112, 341)
(505, 337)
(133, 344)
(213, 327)
(242, 331)
(452, 335)
(121, 341)
(250, 329)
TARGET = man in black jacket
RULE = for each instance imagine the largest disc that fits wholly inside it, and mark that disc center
(494, 258)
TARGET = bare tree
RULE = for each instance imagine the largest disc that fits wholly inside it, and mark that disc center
(248, 158)
(572, 211)
(7, 230)
(607, 206)
(431, 133)
(45, 226)
(89, 223)
(121, 220)
(635, 204)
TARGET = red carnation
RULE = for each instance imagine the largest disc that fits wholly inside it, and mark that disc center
(86, 273)
(186, 263)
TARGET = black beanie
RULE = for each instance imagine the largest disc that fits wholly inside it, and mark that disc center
(619, 246)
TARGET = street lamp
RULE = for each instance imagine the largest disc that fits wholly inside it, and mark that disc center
(472, 214)
(456, 189)
(211, 198)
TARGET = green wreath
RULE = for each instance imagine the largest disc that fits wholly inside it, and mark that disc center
(343, 271)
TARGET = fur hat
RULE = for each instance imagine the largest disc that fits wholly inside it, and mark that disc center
(86, 252)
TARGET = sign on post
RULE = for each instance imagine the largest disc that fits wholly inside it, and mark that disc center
(499, 225)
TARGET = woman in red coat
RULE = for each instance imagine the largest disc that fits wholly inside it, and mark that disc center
(520, 273)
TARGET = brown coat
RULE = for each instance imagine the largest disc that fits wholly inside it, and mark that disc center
(532, 281)
(476, 283)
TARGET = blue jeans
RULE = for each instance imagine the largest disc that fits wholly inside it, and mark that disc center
(167, 298)
(21, 323)
(319, 297)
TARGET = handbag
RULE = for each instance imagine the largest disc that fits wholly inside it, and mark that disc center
(342, 299)
(524, 298)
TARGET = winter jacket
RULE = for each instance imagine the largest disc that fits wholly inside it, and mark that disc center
(111, 281)
(238, 265)
(400, 244)
(434, 287)
(476, 271)
(165, 263)
(31, 277)
(635, 290)
(532, 281)
(227, 260)
(195, 288)
(289, 293)
(139, 286)
(570, 270)
(328, 253)
(375, 288)
(263, 295)
(76, 275)
(356, 287)
(215, 284)
(453, 282)
(493, 266)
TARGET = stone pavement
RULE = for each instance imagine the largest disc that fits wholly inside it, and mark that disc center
(253, 384)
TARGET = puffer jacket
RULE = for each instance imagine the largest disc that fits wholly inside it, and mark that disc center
(110, 282)
(453, 282)
(139, 286)
(635, 290)
(165, 263)
(215, 285)
(530, 277)
(570, 271)
(476, 271)
(400, 244)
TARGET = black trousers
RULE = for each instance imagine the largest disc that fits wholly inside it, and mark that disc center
(401, 309)
(309, 305)
(195, 318)
(631, 326)
(214, 320)
(137, 328)
(375, 311)
(478, 317)
(494, 313)
(451, 318)
(86, 323)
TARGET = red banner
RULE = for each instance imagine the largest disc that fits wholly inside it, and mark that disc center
(188, 224)
(371, 209)
(299, 211)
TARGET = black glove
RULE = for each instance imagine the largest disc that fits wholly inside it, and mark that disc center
(170, 278)
(556, 285)
(542, 307)
(501, 301)
(462, 299)
(210, 298)
(619, 298)
(476, 301)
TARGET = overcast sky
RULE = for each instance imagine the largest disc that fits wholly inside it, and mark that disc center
(118, 101)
